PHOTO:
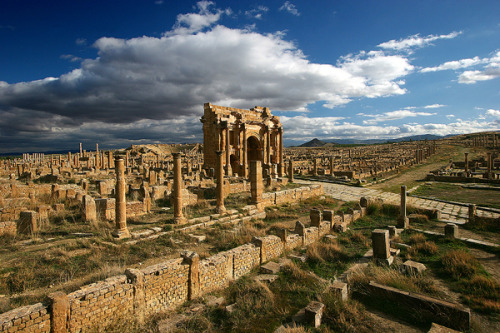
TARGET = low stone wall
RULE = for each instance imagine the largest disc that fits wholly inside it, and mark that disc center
(8, 228)
(156, 288)
(31, 318)
(424, 307)
(286, 196)
(457, 179)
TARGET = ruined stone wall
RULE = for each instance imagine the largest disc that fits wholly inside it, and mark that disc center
(30, 318)
(156, 288)
(100, 303)
(216, 271)
(286, 196)
(245, 258)
(165, 285)
(8, 227)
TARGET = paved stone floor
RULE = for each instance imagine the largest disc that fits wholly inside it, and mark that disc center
(449, 212)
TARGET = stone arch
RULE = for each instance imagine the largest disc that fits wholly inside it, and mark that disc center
(254, 149)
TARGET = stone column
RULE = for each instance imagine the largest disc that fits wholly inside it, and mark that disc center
(331, 166)
(290, 170)
(97, 161)
(245, 156)
(466, 163)
(81, 151)
(268, 139)
(120, 201)
(403, 219)
(281, 166)
(490, 163)
(228, 153)
(256, 184)
(220, 182)
(177, 192)
(110, 160)
(472, 212)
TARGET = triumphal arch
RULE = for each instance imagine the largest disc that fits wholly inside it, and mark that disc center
(244, 136)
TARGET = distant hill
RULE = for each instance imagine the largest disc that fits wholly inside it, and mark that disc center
(322, 143)
(313, 143)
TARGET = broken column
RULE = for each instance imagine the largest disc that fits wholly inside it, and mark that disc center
(381, 248)
(120, 201)
(466, 163)
(220, 182)
(472, 213)
(177, 192)
(89, 209)
(290, 171)
(256, 184)
(403, 219)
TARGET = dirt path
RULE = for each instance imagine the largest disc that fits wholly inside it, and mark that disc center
(490, 262)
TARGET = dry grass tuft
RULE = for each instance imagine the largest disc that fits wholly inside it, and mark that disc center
(417, 238)
(460, 264)
(321, 252)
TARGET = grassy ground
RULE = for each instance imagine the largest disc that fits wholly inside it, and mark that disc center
(454, 192)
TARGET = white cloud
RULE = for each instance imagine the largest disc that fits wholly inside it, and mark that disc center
(415, 41)
(490, 71)
(304, 129)
(71, 57)
(194, 22)
(257, 12)
(450, 116)
(456, 64)
(434, 106)
(493, 113)
(392, 115)
(470, 77)
(290, 7)
(81, 41)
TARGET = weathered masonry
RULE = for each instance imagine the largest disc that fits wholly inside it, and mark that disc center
(244, 136)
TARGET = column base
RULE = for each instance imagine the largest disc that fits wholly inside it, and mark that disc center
(180, 220)
(384, 262)
(121, 234)
(403, 222)
(220, 210)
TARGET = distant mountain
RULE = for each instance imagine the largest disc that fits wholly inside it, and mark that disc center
(321, 143)
(313, 143)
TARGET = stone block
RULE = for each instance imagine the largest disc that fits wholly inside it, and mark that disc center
(413, 267)
(451, 230)
(340, 227)
(267, 278)
(270, 268)
(340, 290)
(380, 244)
(28, 223)
(313, 313)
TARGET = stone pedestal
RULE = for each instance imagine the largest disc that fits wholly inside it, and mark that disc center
(28, 223)
(381, 248)
(451, 230)
(316, 217)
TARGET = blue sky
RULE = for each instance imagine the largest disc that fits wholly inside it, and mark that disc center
(131, 72)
